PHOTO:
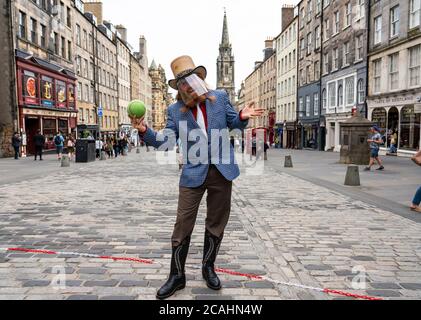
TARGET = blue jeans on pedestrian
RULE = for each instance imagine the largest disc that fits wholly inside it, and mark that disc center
(417, 198)
(393, 148)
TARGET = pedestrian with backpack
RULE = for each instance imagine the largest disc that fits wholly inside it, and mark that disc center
(59, 143)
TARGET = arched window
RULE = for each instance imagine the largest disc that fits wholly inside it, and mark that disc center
(340, 96)
(324, 99)
(410, 129)
(379, 117)
(361, 91)
(349, 91)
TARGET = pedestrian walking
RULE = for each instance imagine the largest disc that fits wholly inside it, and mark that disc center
(417, 198)
(59, 144)
(71, 147)
(39, 141)
(16, 143)
(115, 147)
(199, 110)
(98, 147)
(375, 142)
(266, 148)
(121, 146)
(109, 148)
(393, 142)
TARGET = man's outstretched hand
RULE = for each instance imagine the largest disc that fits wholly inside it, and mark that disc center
(139, 124)
(251, 112)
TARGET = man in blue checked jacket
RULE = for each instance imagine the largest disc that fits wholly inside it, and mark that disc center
(201, 120)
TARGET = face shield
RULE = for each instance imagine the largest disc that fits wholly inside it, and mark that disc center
(191, 88)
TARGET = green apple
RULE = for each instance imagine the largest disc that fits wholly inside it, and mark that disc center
(136, 109)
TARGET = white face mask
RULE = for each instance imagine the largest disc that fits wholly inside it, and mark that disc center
(190, 88)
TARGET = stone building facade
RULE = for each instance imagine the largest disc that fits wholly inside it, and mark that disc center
(134, 78)
(45, 80)
(145, 78)
(160, 99)
(308, 82)
(107, 78)
(344, 68)
(8, 110)
(123, 68)
(252, 92)
(394, 96)
(84, 67)
(286, 62)
(268, 90)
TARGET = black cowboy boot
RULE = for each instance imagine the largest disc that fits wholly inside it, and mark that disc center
(177, 278)
(210, 251)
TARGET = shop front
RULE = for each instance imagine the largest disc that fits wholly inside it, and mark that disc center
(279, 135)
(399, 119)
(310, 135)
(272, 133)
(290, 132)
(46, 97)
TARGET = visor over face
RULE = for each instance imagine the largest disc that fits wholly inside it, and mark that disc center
(191, 88)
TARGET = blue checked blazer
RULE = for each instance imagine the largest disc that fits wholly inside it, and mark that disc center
(220, 115)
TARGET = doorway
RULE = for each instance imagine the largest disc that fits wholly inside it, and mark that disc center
(31, 127)
(392, 125)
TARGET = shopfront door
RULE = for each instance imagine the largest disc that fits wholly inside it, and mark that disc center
(31, 127)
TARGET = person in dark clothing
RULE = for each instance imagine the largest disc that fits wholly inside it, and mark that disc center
(232, 141)
(39, 141)
(120, 146)
(266, 148)
(16, 142)
(115, 147)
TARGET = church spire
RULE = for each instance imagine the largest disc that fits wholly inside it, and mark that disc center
(225, 63)
(225, 37)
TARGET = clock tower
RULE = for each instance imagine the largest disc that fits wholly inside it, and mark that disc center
(225, 64)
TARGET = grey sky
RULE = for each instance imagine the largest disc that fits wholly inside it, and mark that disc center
(194, 27)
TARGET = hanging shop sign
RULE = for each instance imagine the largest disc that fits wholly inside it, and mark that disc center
(47, 91)
(61, 94)
(29, 87)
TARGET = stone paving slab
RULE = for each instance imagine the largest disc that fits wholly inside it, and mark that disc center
(281, 227)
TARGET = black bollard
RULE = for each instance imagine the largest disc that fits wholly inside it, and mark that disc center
(65, 161)
(352, 176)
(288, 162)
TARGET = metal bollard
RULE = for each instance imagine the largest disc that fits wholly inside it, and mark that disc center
(65, 161)
(288, 162)
(137, 150)
(103, 156)
(352, 176)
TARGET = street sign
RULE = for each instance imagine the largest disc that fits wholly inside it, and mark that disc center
(100, 111)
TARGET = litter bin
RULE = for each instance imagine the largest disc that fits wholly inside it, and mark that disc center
(85, 150)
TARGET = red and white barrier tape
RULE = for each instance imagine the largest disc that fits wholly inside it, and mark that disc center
(219, 270)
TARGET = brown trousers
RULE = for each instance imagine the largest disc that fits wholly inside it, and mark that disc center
(218, 206)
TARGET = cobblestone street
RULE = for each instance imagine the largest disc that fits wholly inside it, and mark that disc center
(281, 227)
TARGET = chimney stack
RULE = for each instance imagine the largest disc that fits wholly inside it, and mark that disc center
(287, 15)
(96, 8)
(123, 32)
(268, 49)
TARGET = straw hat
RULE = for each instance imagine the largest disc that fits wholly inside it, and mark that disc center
(184, 66)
